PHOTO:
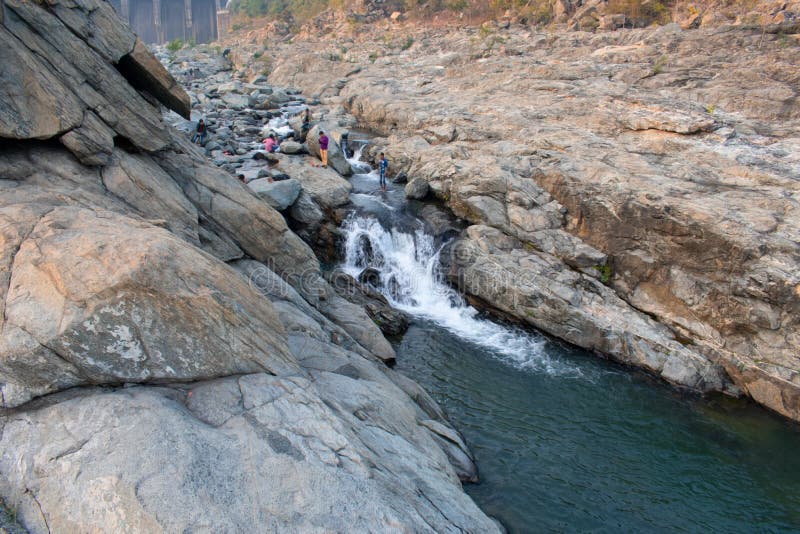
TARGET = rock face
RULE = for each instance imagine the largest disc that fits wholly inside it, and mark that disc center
(146, 384)
(89, 300)
(545, 293)
(252, 441)
(660, 162)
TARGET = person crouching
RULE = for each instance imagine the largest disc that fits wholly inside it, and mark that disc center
(271, 144)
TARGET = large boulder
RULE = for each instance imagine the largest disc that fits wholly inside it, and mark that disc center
(325, 186)
(98, 298)
(306, 211)
(281, 453)
(292, 147)
(280, 195)
(336, 158)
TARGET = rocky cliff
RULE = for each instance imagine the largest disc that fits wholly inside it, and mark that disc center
(171, 358)
(633, 192)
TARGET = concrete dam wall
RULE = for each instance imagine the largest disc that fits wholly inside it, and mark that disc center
(161, 21)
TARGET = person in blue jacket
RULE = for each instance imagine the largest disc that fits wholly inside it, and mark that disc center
(382, 165)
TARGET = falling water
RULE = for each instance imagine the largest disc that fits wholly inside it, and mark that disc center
(411, 280)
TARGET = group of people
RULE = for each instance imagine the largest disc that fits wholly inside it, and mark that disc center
(272, 144)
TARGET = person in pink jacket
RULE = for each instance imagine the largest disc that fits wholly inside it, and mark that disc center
(271, 144)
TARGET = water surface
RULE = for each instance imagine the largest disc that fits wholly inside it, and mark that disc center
(608, 449)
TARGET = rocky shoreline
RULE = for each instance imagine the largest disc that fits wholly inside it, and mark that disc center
(635, 192)
(171, 356)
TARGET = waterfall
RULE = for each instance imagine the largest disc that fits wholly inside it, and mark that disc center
(411, 280)
(359, 167)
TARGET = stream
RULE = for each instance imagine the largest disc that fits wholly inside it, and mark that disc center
(564, 440)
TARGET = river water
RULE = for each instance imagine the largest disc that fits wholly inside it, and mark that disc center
(566, 441)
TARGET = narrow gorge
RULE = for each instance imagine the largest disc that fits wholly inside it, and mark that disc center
(575, 307)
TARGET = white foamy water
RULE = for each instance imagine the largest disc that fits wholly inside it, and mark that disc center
(360, 167)
(411, 281)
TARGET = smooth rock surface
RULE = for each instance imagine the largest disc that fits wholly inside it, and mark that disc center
(279, 195)
(282, 458)
(104, 299)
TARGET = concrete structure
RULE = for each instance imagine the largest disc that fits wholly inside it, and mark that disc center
(161, 21)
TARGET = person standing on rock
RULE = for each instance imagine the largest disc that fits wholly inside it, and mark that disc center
(306, 125)
(382, 166)
(323, 148)
(200, 132)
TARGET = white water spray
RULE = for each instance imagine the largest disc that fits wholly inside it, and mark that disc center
(411, 281)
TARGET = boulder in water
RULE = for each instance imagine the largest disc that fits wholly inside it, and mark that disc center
(391, 322)
(440, 221)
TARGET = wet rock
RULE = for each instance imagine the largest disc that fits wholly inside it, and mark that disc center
(371, 276)
(391, 322)
(400, 178)
(457, 451)
(439, 220)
